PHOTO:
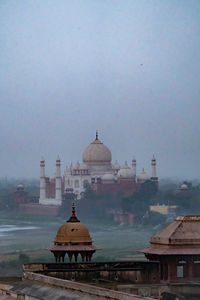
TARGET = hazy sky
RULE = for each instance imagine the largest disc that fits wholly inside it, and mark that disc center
(129, 68)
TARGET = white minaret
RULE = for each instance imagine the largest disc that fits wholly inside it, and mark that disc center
(153, 167)
(58, 182)
(42, 181)
(134, 166)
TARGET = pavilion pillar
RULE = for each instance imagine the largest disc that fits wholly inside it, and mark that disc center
(63, 256)
(70, 254)
(90, 255)
(57, 256)
(172, 269)
(190, 269)
(82, 256)
(76, 256)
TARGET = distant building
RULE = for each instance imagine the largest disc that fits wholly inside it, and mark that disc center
(185, 187)
(163, 209)
(96, 171)
(22, 197)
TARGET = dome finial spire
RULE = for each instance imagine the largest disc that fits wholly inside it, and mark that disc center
(73, 210)
(73, 217)
(96, 135)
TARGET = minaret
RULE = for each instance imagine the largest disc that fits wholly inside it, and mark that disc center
(153, 167)
(58, 182)
(134, 166)
(42, 181)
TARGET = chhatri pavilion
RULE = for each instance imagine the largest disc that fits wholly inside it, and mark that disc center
(177, 248)
(73, 238)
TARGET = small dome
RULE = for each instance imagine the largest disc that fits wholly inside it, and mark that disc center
(108, 177)
(184, 186)
(116, 166)
(143, 176)
(73, 232)
(97, 152)
(125, 172)
(20, 186)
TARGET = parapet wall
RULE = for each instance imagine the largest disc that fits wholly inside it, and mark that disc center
(124, 272)
(82, 287)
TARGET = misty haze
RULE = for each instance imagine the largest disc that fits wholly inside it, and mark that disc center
(129, 69)
(100, 145)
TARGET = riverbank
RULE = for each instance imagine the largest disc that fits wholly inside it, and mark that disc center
(31, 236)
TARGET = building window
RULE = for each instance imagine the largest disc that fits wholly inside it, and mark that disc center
(85, 183)
(76, 184)
(180, 271)
(98, 180)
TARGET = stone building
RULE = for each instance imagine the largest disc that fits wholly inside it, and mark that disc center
(96, 170)
(177, 248)
(22, 197)
(172, 272)
(73, 239)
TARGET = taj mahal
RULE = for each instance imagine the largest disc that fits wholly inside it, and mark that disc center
(96, 171)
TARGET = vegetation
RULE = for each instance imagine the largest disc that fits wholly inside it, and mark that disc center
(8, 188)
(116, 242)
(94, 206)
(138, 203)
(187, 201)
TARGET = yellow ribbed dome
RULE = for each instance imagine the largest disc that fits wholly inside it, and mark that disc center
(73, 232)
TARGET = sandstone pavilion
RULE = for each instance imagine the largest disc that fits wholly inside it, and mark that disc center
(73, 238)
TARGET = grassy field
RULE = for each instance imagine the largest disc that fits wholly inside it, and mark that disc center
(31, 235)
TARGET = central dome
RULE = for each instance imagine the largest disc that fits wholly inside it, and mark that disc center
(97, 153)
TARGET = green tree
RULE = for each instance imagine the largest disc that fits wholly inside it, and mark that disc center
(148, 190)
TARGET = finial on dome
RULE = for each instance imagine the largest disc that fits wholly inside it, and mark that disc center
(96, 135)
(73, 210)
(73, 217)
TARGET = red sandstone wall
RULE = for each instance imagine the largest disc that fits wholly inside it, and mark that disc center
(51, 188)
(123, 187)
